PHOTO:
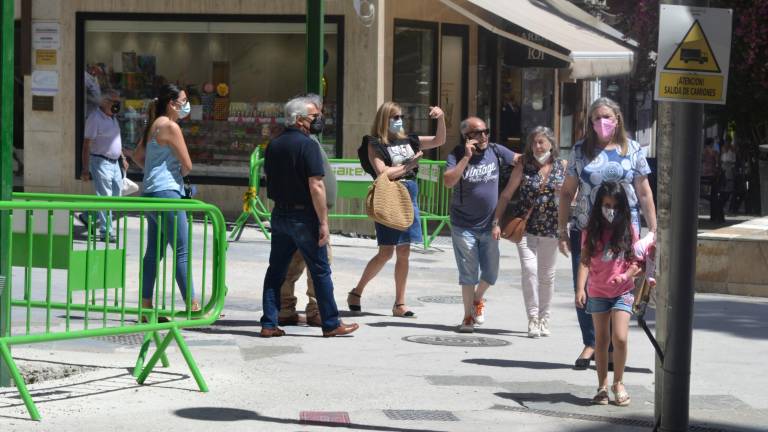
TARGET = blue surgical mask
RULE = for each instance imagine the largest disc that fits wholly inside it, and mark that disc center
(395, 126)
(184, 110)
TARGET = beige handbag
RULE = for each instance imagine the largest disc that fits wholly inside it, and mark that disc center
(389, 203)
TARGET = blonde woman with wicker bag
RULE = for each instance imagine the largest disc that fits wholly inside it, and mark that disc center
(396, 154)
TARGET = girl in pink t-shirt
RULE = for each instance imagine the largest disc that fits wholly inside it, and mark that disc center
(605, 282)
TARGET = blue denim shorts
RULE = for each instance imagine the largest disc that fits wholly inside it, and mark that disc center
(386, 236)
(477, 255)
(600, 304)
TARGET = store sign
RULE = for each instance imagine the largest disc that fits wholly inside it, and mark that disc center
(45, 35)
(45, 83)
(350, 171)
(694, 54)
(45, 57)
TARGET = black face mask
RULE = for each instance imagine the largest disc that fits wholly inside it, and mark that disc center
(317, 125)
(115, 108)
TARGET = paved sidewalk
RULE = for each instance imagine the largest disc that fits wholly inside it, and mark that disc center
(384, 382)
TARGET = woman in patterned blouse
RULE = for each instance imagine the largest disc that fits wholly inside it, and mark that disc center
(605, 154)
(539, 178)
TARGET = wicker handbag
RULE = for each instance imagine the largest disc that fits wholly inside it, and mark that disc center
(389, 203)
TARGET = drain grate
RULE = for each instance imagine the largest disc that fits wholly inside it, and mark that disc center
(445, 299)
(459, 341)
(126, 339)
(421, 415)
(324, 417)
(604, 419)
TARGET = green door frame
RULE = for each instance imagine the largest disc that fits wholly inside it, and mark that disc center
(6, 163)
(315, 38)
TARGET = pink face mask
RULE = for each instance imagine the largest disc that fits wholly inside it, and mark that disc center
(604, 128)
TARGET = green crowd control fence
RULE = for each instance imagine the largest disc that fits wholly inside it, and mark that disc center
(352, 183)
(63, 283)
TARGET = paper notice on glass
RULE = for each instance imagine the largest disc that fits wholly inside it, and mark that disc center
(45, 83)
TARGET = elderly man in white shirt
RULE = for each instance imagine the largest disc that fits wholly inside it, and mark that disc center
(103, 154)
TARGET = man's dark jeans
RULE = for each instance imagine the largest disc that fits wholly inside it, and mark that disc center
(291, 230)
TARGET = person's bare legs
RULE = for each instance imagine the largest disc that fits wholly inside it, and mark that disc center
(620, 324)
(373, 268)
(468, 296)
(403, 253)
(602, 322)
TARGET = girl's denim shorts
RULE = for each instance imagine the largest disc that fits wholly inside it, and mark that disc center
(599, 304)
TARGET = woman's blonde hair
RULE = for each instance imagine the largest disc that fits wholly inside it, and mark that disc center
(619, 135)
(380, 126)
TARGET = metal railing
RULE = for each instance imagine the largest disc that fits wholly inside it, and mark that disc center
(434, 199)
(64, 283)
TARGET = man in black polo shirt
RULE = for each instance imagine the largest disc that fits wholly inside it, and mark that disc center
(294, 168)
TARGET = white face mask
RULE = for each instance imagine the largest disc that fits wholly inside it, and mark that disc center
(543, 158)
(609, 214)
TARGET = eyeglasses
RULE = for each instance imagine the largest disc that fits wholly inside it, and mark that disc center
(475, 133)
(313, 116)
(398, 117)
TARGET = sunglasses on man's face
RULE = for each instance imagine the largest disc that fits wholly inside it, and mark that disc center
(476, 133)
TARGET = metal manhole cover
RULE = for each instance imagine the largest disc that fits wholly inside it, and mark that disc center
(426, 415)
(126, 339)
(446, 299)
(461, 341)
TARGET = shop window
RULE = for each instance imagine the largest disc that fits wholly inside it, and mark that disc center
(237, 73)
(414, 75)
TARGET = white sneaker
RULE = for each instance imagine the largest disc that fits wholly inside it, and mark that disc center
(533, 327)
(544, 327)
(478, 312)
(467, 326)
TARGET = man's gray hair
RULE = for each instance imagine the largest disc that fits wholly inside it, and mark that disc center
(315, 99)
(295, 108)
(464, 125)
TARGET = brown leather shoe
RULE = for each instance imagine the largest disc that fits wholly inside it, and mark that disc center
(341, 330)
(272, 332)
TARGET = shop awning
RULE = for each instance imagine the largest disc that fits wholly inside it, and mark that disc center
(590, 54)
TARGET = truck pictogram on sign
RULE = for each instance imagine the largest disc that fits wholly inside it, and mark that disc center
(693, 53)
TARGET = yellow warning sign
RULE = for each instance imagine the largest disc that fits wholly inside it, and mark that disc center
(693, 53)
(691, 86)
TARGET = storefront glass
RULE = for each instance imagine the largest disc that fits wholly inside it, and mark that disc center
(237, 76)
(414, 72)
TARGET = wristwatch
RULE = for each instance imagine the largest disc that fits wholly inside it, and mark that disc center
(495, 223)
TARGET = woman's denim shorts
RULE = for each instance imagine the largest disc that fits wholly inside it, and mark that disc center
(600, 304)
(386, 236)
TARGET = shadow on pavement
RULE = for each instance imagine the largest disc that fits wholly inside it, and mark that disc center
(523, 398)
(443, 327)
(234, 414)
(738, 318)
(94, 387)
(539, 365)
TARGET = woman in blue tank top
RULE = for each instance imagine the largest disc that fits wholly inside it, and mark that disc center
(163, 154)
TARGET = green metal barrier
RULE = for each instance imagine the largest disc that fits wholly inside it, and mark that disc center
(101, 294)
(434, 198)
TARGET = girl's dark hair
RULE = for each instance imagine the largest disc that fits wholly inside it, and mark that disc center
(159, 105)
(620, 239)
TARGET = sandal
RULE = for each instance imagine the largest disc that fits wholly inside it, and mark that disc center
(601, 398)
(406, 314)
(353, 307)
(620, 398)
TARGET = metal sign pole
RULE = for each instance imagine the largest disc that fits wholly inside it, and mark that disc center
(685, 141)
(6, 168)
